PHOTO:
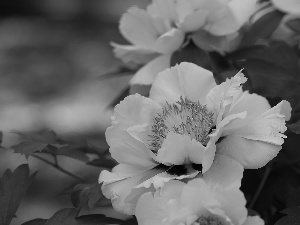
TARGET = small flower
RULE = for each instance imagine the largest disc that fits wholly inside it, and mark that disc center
(187, 122)
(214, 199)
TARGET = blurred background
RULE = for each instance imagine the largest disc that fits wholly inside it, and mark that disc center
(52, 56)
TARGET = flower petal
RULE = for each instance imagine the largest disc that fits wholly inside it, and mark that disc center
(148, 72)
(186, 80)
(254, 220)
(133, 54)
(118, 187)
(194, 21)
(221, 97)
(134, 110)
(287, 6)
(161, 207)
(179, 149)
(137, 27)
(169, 41)
(225, 172)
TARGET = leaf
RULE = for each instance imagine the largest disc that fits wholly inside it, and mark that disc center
(68, 217)
(119, 98)
(86, 194)
(32, 142)
(294, 25)
(13, 187)
(262, 28)
(272, 71)
(295, 127)
(35, 222)
(292, 218)
(132, 221)
(191, 53)
(103, 163)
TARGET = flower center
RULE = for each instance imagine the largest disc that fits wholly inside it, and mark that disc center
(207, 220)
(185, 118)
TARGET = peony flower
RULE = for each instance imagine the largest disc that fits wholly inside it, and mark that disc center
(154, 37)
(216, 23)
(213, 199)
(187, 122)
(155, 33)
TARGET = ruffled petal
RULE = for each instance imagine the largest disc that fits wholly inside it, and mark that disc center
(180, 149)
(186, 80)
(133, 54)
(221, 97)
(194, 21)
(118, 186)
(169, 41)
(254, 220)
(148, 72)
(163, 9)
(137, 27)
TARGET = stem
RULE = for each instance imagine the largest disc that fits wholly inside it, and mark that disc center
(56, 166)
(260, 187)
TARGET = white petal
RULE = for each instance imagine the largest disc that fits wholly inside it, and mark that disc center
(198, 195)
(119, 187)
(194, 21)
(225, 172)
(241, 10)
(147, 73)
(233, 204)
(186, 80)
(169, 42)
(133, 54)
(254, 220)
(163, 9)
(133, 110)
(163, 178)
(137, 27)
(253, 104)
(128, 150)
(221, 97)
(251, 154)
(161, 207)
(288, 6)
(180, 149)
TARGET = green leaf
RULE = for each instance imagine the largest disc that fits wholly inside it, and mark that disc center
(68, 216)
(272, 71)
(13, 187)
(103, 163)
(32, 142)
(295, 127)
(294, 25)
(35, 222)
(191, 53)
(86, 194)
(262, 28)
(292, 218)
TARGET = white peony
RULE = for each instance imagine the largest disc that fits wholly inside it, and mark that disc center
(187, 122)
(155, 33)
(213, 199)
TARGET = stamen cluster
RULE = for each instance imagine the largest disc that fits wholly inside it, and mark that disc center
(185, 117)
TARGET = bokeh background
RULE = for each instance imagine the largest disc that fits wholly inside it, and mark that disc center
(52, 56)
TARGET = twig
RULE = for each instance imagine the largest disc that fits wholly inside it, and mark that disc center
(56, 166)
(260, 187)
